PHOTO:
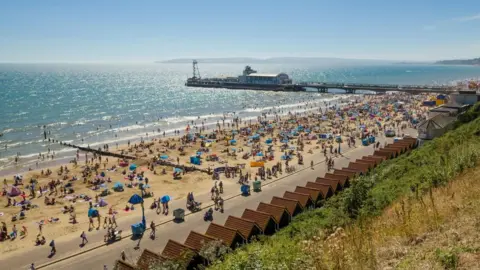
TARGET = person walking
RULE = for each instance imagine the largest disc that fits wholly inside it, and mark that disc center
(84, 238)
(52, 245)
(32, 266)
(152, 227)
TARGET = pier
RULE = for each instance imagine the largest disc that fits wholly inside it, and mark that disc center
(351, 88)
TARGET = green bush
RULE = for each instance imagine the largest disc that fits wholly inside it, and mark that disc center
(448, 258)
(434, 164)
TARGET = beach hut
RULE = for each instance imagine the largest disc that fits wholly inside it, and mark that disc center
(324, 188)
(248, 228)
(344, 179)
(121, 265)
(149, 258)
(266, 221)
(197, 240)
(303, 198)
(293, 206)
(334, 184)
(176, 250)
(280, 213)
(316, 194)
(230, 237)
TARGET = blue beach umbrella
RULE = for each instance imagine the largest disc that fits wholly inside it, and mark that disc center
(133, 167)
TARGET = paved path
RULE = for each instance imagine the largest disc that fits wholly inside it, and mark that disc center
(68, 250)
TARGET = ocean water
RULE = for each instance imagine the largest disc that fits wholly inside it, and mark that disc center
(94, 104)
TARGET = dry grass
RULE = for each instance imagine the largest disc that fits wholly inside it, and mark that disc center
(437, 231)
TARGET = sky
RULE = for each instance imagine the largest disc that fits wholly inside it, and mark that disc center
(147, 31)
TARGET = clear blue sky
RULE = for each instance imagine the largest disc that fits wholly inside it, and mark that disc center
(144, 31)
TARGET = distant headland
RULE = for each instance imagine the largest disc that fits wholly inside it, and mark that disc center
(274, 60)
(472, 62)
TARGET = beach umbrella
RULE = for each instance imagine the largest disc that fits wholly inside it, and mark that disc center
(259, 154)
(163, 156)
(133, 167)
(165, 199)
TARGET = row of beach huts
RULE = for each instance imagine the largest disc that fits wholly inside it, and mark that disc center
(271, 216)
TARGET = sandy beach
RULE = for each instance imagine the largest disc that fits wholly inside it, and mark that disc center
(269, 140)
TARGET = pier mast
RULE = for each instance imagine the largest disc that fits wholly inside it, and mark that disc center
(195, 70)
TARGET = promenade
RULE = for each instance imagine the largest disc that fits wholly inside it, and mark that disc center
(235, 204)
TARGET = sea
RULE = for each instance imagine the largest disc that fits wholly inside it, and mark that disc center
(97, 104)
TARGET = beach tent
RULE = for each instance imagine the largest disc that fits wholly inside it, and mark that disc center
(92, 212)
(269, 140)
(195, 160)
(259, 154)
(163, 156)
(177, 170)
(14, 191)
(135, 199)
(117, 185)
(233, 142)
(102, 203)
(133, 167)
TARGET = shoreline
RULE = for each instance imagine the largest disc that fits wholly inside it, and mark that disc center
(68, 153)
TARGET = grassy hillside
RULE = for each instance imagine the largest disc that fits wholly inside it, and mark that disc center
(342, 235)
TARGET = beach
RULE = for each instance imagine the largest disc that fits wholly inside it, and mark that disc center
(310, 129)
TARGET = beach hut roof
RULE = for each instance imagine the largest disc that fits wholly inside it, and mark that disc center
(316, 194)
(197, 240)
(148, 258)
(293, 206)
(303, 198)
(174, 249)
(226, 234)
(276, 211)
(121, 265)
(245, 226)
(261, 218)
